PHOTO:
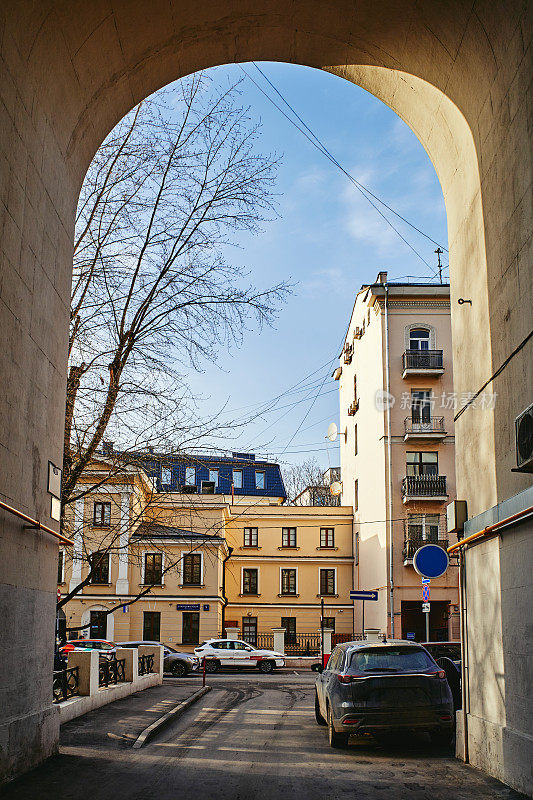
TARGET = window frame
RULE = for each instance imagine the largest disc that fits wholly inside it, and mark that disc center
(187, 481)
(325, 543)
(93, 580)
(167, 472)
(419, 462)
(253, 533)
(289, 532)
(185, 554)
(216, 473)
(327, 569)
(100, 520)
(289, 570)
(249, 570)
(145, 555)
(263, 473)
(420, 328)
(241, 473)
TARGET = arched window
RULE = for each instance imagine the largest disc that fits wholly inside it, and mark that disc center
(419, 339)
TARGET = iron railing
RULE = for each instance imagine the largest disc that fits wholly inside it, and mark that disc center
(424, 486)
(339, 638)
(111, 671)
(265, 641)
(66, 684)
(302, 644)
(423, 359)
(411, 545)
(146, 664)
(431, 425)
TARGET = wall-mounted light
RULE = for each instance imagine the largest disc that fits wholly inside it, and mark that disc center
(462, 301)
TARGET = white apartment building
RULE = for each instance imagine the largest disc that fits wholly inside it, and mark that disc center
(397, 451)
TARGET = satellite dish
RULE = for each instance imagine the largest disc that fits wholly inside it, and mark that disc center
(335, 488)
(332, 432)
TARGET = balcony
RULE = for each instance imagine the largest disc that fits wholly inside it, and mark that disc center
(432, 428)
(411, 545)
(352, 408)
(422, 362)
(424, 487)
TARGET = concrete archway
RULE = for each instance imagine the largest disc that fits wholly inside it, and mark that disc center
(458, 74)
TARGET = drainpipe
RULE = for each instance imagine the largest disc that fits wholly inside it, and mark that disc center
(389, 462)
(465, 694)
(225, 599)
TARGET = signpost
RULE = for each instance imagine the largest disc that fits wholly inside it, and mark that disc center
(363, 595)
(430, 561)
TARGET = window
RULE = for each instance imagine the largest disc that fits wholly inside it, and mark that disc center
(166, 476)
(288, 581)
(356, 496)
(422, 463)
(289, 623)
(288, 537)
(152, 626)
(102, 514)
(213, 476)
(355, 440)
(421, 405)
(419, 339)
(249, 581)
(153, 569)
(355, 387)
(329, 622)
(259, 480)
(237, 478)
(99, 566)
(192, 569)
(423, 526)
(98, 624)
(390, 658)
(190, 476)
(60, 566)
(327, 581)
(327, 537)
(250, 537)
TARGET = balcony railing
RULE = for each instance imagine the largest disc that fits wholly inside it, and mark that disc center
(422, 360)
(65, 684)
(412, 544)
(424, 486)
(425, 427)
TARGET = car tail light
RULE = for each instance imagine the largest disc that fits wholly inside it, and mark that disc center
(446, 717)
(439, 674)
(351, 721)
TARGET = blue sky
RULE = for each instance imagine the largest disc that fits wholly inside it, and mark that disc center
(328, 240)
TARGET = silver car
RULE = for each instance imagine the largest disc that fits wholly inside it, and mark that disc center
(178, 664)
(371, 687)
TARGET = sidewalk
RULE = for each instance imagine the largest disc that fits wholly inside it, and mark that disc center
(117, 725)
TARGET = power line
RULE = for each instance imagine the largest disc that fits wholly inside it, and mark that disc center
(362, 189)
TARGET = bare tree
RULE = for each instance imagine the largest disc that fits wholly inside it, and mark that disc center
(308, 474)
(153, 292)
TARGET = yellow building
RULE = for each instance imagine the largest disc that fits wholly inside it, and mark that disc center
(194, 565)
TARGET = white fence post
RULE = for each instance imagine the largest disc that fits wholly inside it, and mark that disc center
(131, 667)
(327, 640)
(88, 662)
(232, 633)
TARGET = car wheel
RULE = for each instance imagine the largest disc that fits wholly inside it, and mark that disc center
(211, 665)
(266, 666)
(335, 739)
(178, 669)
(318, 716)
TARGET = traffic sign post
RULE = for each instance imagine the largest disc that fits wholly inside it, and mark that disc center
(426, 610)
(363, 595)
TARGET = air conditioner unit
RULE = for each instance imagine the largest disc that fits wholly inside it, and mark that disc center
(524, 440)
(358, 333)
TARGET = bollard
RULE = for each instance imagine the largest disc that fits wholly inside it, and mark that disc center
(203, 671)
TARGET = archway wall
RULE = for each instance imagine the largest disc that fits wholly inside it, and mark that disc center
(458, 73)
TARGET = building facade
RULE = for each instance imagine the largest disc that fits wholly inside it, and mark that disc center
(397, 406)
(196, 563)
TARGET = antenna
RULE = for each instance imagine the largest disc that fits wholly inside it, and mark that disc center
(336, 488)
(438, 251)
(333, 432)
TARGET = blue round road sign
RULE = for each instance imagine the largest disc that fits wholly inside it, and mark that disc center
(431, 561)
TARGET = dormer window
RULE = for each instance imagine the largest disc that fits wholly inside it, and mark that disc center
(419, 339)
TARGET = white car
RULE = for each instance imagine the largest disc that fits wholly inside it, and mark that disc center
(234, 653)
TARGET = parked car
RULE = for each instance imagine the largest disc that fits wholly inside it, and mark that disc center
(107, 649)
(451, 650)
(177, 664)
(234, 653)
(383, 688)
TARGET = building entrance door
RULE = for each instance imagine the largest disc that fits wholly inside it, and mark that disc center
(190, 627)
(414, 621)
(249, 630)
(98, 627)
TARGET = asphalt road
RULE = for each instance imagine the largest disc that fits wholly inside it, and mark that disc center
(252, 737)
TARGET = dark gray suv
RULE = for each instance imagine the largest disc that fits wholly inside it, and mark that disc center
(371, 687)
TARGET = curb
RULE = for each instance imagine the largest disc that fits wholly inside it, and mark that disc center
(149, 732)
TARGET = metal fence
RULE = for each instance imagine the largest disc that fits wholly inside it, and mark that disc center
(423, 359)
(424, 426)
(424, 486)
(302, 644)
(265, 641)
(146, 664)
(66, 684)
(339, 638)
(111, 671)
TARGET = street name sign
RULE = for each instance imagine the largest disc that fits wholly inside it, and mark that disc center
(361, 595)
(187, 606)
(431, 561)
